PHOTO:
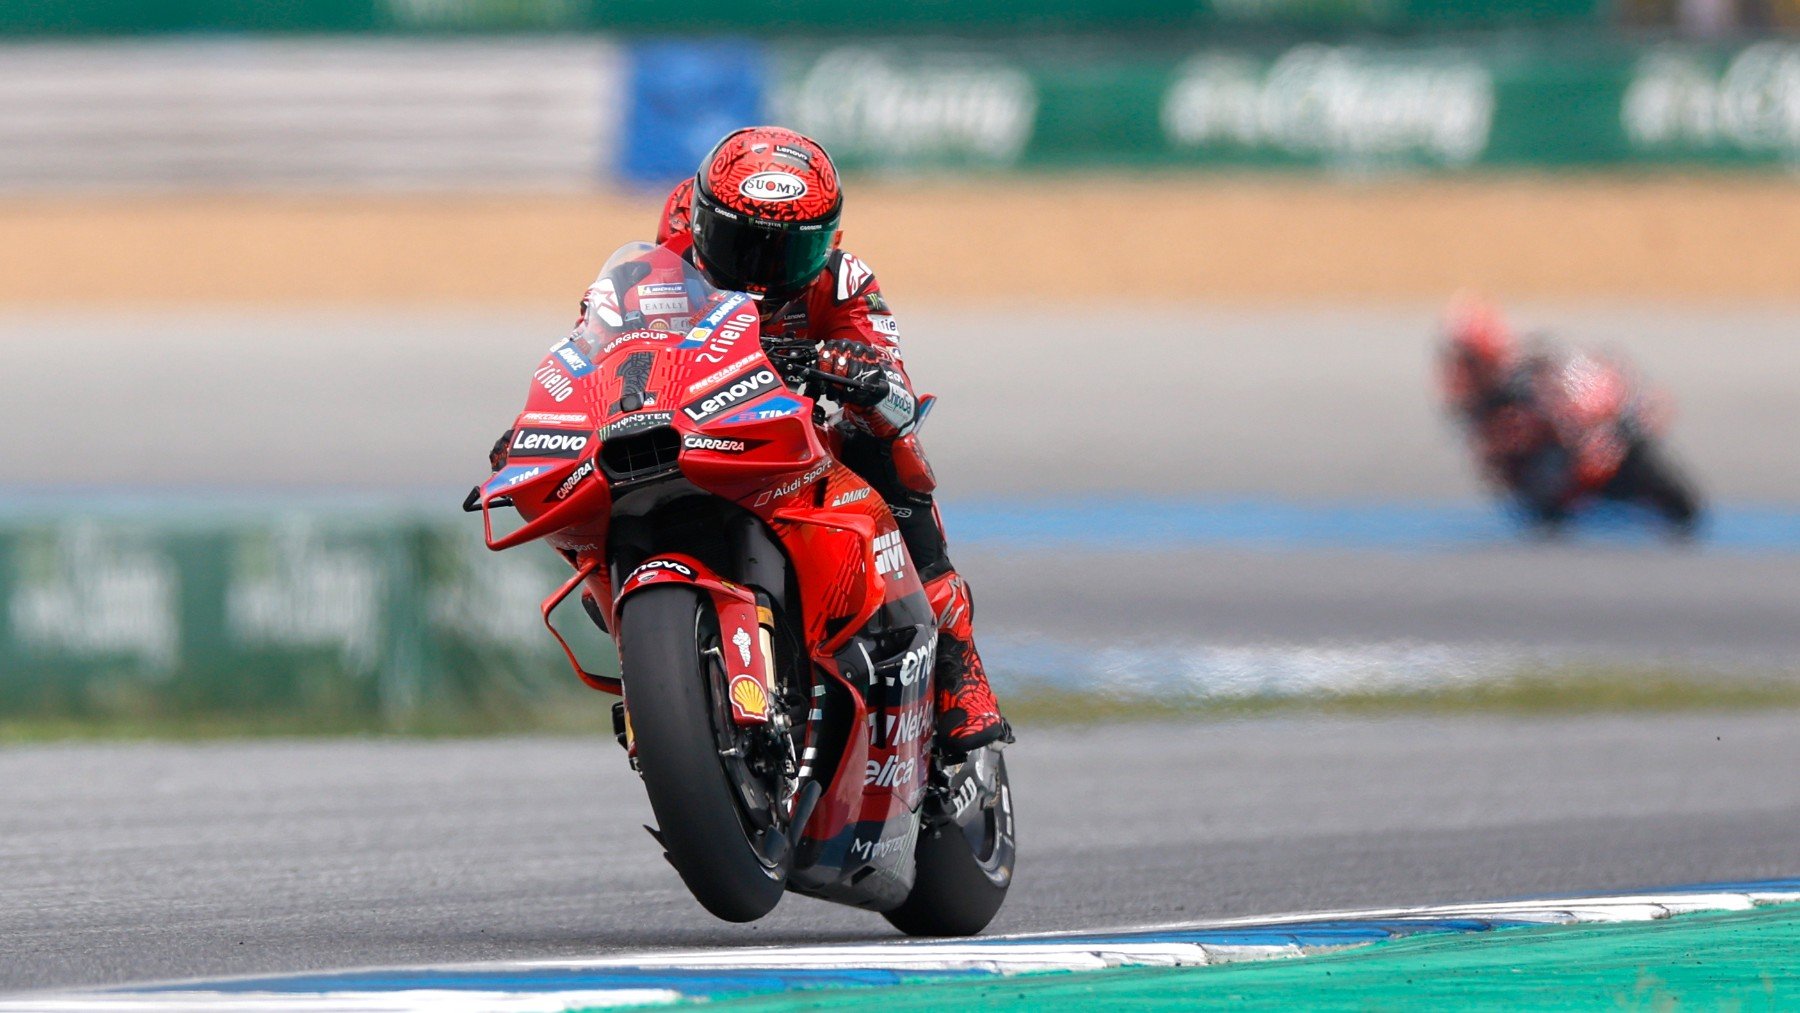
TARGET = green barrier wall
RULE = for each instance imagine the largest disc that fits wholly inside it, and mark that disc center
(1525, 102)
(617, 16)
(316, 617)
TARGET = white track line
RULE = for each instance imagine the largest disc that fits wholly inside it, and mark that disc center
(409, 1001)
(998, 955)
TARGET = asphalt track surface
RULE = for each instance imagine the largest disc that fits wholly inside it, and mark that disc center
(1328, 402)
(132, 862)
(1635, 606)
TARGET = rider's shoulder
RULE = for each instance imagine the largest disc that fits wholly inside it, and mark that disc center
(848, 276)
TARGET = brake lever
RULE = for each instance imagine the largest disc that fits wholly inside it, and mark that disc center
(834, 380)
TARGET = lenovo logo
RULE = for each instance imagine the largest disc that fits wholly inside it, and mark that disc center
(723, 399)
(548, 443)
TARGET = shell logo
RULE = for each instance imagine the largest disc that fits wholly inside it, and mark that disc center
(749, 697)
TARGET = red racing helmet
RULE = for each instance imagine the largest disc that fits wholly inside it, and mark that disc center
(677, 213)
(1477, 334)
(766, 207)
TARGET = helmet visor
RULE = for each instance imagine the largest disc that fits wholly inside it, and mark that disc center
(775, 259)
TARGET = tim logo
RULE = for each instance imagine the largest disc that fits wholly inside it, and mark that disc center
(890, 555)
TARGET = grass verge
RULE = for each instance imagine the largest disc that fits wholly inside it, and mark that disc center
(1544, 693)
(1571, 692)
(587, 715)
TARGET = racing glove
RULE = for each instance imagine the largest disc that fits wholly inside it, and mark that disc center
(497, 456)
(856, 363)
(882, 404)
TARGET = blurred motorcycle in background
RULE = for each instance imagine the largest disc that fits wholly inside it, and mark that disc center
(1556, 430)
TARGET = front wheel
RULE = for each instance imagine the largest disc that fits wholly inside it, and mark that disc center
(965, 856)
(686, 744)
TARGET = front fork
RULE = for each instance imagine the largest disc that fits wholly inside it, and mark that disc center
(746, 651)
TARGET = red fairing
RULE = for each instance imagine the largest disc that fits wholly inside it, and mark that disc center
(1585, 397)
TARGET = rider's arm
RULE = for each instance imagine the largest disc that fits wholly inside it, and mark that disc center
(860, 334)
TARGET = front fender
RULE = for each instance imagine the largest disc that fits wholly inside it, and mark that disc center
(745, 645)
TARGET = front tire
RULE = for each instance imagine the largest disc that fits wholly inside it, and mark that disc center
(679, 719)
(965, 863)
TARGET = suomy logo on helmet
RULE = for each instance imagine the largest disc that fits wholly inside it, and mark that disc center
(773, 187)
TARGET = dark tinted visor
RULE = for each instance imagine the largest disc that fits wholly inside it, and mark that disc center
(776, 258)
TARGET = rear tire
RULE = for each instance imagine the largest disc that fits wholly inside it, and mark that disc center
(676, 717)
(964, 869)
(1649, 477)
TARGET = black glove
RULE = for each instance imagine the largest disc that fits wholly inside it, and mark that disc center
(859, 365)
(497, 456)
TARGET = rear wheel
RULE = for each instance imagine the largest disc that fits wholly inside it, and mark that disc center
(1648, 476)
(965, 855)
(720, 822)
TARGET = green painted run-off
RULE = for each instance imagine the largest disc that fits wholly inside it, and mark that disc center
(1745, 960)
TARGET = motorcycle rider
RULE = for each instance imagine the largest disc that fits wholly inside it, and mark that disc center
(1495, 393)
(1548, 422)
(761, 216)
(1479, 359)
(677, 213)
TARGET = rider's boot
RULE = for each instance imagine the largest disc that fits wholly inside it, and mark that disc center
(968, 716)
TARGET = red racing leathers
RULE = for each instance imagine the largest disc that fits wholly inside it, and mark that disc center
(844, 313)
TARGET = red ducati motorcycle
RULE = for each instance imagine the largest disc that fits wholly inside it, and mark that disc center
(1566, 430)
(776, 648)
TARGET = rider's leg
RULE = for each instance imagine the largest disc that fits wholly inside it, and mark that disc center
(968, 716)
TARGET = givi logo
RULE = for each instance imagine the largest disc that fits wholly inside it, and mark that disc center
(890, 557)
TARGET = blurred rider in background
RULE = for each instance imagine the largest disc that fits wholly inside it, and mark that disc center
(1494, 391)
(1480, 365)
(1553, 426)
(761, 216)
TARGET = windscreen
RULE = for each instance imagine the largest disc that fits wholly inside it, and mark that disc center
(642, 288)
